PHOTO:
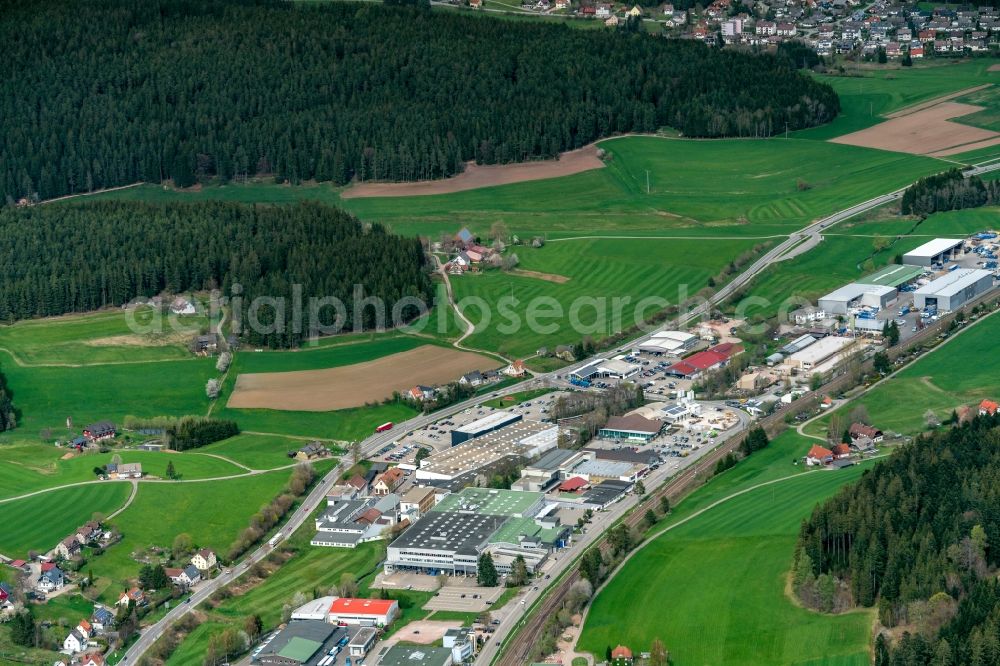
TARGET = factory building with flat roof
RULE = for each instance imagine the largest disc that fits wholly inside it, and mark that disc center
(937, 251)
(818, 352)
(953, 290)
(894, 275)
(857, 294)
(483, 426)
(522, 439)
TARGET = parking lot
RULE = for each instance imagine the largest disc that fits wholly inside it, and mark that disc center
(456, 596)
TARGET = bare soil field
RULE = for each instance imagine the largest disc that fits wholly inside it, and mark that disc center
(422, 632)
(476, 176)
(354, 385)
(548, 277)
(905, 111)
(994, 68)
(926, 131)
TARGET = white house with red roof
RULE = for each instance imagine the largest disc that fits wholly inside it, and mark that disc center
(363, 612)
(819, 455)
(988, 408)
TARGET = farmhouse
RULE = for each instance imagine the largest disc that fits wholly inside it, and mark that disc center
(988, 408)
(631, 428)
(68, 547)
(953, 290)
(364, 612)
(523, 439)
(819, 455)
(101, 430)
(124, 470)
(90, 531)
(204, 559)
(859, 430)
(937, 251)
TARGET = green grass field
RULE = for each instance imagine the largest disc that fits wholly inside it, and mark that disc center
(718, 582)
(42, 521)
(102, 337)
(256, 451)
(989, 117)
(28, 467)
(947, 378)
(869, 94)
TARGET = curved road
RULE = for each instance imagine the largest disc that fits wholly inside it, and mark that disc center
(808, 234)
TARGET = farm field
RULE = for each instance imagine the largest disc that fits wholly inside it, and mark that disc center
(40, 522)
(256, 451)
(101, 337)
(354, 385)
(953, 375)
(28, 467)
(852, 250)
(718, 583)
(865, 99)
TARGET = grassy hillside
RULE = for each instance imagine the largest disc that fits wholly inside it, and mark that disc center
(713, 589)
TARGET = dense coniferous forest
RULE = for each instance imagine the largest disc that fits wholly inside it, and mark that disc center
(192, 433)
(948, 191)
(79, 257)
(110, 92)
(919, 535)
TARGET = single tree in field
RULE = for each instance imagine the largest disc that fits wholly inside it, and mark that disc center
(658, 655)
(171, 472)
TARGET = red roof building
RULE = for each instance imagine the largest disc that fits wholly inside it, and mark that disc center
(819, 455)
(380, 612)
(711, 358)
(573, 485)
(841, 450)
(988, 408)
(621, 652)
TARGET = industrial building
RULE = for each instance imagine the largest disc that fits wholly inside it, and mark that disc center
(669, 342)
(363, 612)
(797, 345)
(894, 275)
(953, 290)
(597, 470)
(416, 655)
(856, 294)
(632, 428)
(614, 368)
(937, 251)
(452, 536)
(710, 359)
(347, 523)
(548, 470)
(483, 426)
(818, 353)
(301, 643)
(522, 439)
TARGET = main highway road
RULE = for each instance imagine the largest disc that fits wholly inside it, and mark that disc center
(787, 248)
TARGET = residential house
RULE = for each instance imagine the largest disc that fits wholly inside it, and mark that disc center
(182, 306)
(74, 642)
(204, 560)
(515, 369)
(135, 595)
(841, 451)
(85, 629)
(464, 237)
(474, 378)
(416, 502)
(562, 4)
(916, 52)
(988, 408)
(312, 451)
(102, 620)
(359, 484)
(858, 430)
(635, 12)
(52, 579)
(93, 659)
(588, 11)
(204, 344)
(124, 470)
(603, 11)
(185, 577)
(668, 10)
(90, 531)
(785, 30)
(476, 4)
(893, 50)
(766, 28)
(5, 594)
(819, 455)
(101, 430)
(420, 393)
(387, 482)
(68, 547)
(611, 21)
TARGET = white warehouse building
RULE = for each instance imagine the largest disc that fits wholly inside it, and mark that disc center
(939, 250)
(950, 292)
(857, 294)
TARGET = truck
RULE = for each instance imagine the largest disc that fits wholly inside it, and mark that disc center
(905, 310)
(385, 426)
(579, 382)
(273, 540)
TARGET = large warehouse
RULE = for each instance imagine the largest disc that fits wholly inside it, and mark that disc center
(485, 425)
(894, 275)
(937, 251)
(630, 428)
(522, 439)
(669, 342)
(856, 294)
(953, 290)
(818, 353)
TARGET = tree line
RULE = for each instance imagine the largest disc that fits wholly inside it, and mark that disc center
(918, 536)
(195, 432)
(950, 190)
(130, 90)
(82, 257)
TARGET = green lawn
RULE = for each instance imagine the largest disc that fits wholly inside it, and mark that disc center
(866, 98)
(104, 337)
(713, 589)
(28, 467)
(960, 372)
(345, 424)
(256, 451)
(42, 521)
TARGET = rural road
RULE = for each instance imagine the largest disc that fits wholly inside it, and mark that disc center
(809, 233)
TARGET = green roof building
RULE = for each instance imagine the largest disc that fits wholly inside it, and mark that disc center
(894, 275)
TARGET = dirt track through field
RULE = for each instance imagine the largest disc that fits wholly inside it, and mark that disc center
(476, 176)
(926, 130)
(354, 385)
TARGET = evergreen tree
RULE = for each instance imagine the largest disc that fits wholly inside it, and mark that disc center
(486, 571)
